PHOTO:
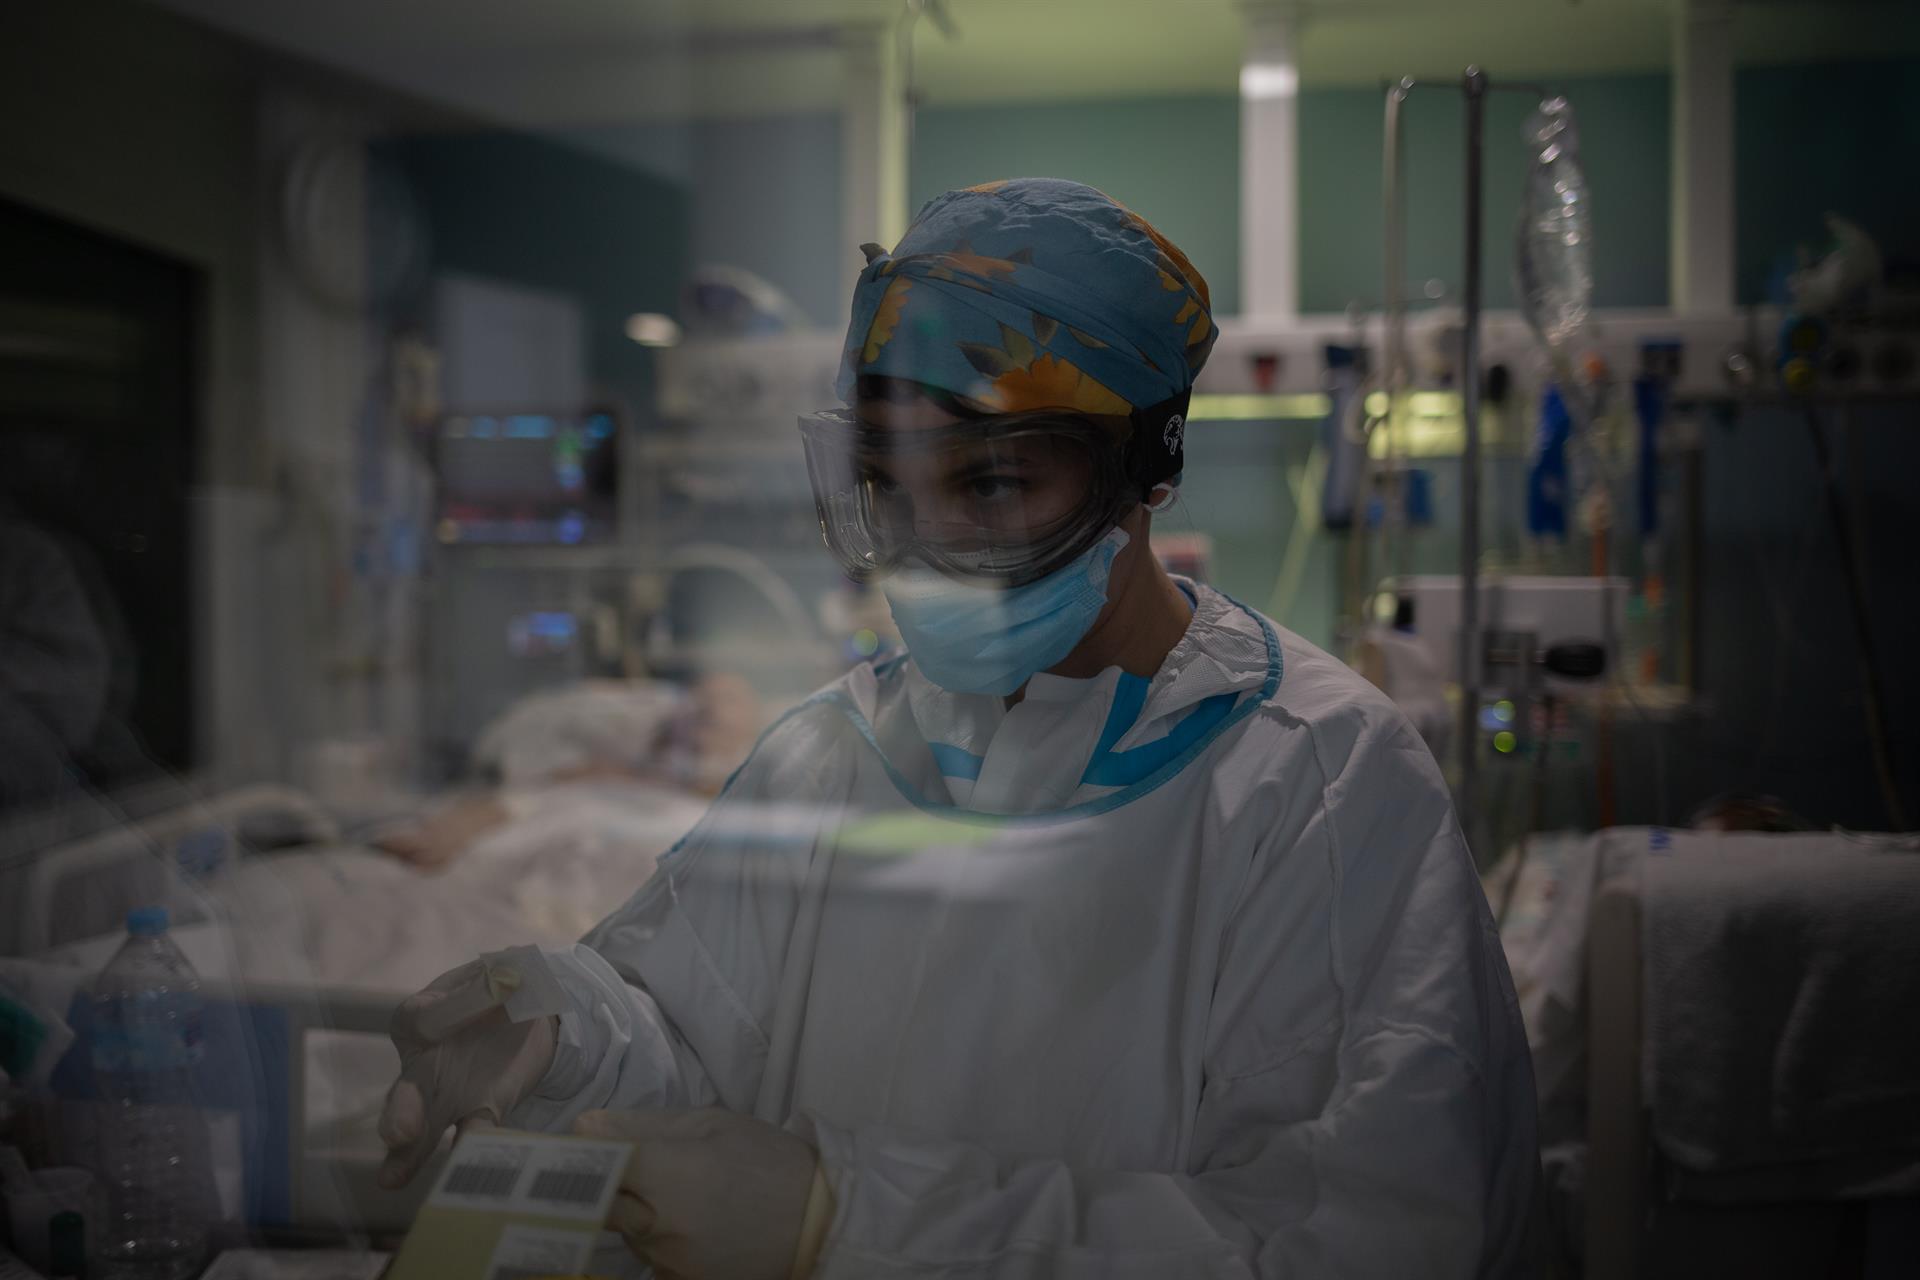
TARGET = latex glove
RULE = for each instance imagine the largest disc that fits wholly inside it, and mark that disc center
(715, 1195)
(462, 1061)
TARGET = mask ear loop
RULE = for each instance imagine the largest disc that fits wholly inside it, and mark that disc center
(1164, 503)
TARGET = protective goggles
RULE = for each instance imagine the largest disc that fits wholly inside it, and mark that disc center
(1006, 500)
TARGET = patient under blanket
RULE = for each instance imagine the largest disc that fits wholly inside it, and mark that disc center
(1783, 1008)
(1781, 977)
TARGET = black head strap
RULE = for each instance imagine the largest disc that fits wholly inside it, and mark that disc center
(1157, 452)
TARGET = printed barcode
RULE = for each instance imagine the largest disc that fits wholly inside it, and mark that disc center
(568, 1186)
(482, 1180)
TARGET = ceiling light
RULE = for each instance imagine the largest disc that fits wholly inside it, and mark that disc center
(1259, 80)
(651, 329)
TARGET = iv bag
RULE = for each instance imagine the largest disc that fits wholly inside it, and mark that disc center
(1553, 265)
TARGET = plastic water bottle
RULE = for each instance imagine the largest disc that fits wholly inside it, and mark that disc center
(148, 1029)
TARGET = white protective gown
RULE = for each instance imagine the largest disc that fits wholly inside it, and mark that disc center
(1224, 999)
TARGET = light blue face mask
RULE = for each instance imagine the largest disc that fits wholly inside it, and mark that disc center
(969, 639)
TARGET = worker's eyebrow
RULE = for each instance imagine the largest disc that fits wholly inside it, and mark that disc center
(964, 468)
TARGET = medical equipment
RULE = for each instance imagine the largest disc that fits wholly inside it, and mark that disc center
(510, 622)
(1544, 642)
(1523, 618)
(1473, 87)
(1570, 478)
(1344, 439)
(1711, 688)
(725, 572)
(1880, 358)
(1548, 491)
(525, 479)
(665, 647)
(748, 385)
(1553, 267)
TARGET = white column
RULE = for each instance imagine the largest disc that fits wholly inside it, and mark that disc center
(1701, 235)
(873, 145)
(1269, 162)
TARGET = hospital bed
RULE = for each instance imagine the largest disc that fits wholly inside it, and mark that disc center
(1724, 1037)
(305, 950)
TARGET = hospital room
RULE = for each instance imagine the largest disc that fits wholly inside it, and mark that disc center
(765, 639)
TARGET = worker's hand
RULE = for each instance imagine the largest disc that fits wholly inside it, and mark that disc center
(456, 1068)
(712, 1193)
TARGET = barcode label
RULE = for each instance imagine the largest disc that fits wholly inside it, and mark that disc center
(500, 1171)
(531, 1253)
(490, 1181)
(568, 1186)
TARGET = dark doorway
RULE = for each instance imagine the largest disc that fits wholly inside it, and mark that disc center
(97, 461)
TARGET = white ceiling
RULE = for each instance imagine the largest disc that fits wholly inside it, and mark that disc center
(590, 62)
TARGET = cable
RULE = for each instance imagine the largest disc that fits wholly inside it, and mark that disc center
(1306, 518)
(750, 568)
(1787, 636)
(1863, 632)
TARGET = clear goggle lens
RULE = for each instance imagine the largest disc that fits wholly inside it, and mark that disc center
(1007, 499)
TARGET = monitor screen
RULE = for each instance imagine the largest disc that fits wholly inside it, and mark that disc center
(527, 478)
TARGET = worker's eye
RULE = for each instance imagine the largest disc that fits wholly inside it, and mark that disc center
(995, 487)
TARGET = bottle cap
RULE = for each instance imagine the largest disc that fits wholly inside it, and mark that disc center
(147, 922)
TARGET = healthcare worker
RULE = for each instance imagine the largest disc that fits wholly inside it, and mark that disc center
(1112, 931)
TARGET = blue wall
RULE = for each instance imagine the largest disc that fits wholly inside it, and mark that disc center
(1808, 138)
(1623, 128)
(764, 193)
(1174, 161)
(1839, 136)
(767, 198)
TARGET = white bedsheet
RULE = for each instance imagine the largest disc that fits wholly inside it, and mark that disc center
(1545, 936)
(349, 916)
(346, 916)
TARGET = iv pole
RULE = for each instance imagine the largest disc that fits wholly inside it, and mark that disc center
(1474, 87)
